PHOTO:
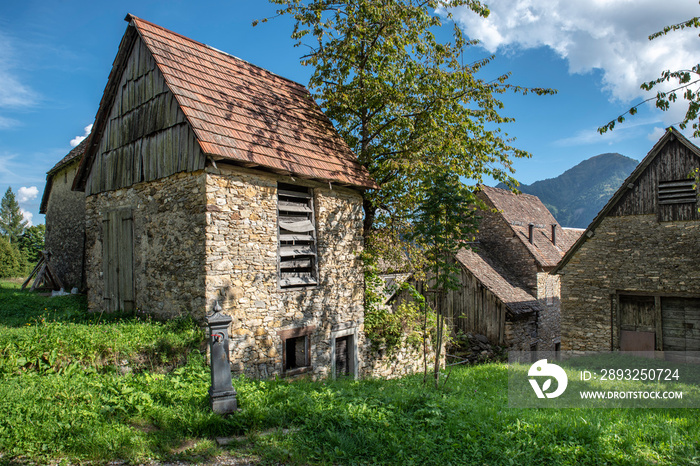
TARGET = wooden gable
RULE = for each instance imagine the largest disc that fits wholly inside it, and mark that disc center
(192, 102)
(667, 166)
(663, 186)
(144, 134)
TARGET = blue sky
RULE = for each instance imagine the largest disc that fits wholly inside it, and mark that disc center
(55, 58)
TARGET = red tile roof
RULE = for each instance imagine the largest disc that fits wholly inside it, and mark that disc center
(521, 210)
(245, 114)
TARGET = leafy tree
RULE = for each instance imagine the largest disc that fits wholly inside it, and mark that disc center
(32, 242)
(11, 264)
(399, 96)
(12, 223)
(688, 81)
(443, 224)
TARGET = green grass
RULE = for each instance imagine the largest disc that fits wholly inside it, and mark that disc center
(78, 405)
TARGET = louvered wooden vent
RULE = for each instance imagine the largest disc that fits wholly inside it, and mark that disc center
(677, 192)
(296, 236)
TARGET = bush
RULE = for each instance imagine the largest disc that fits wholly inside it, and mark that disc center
(12, 263)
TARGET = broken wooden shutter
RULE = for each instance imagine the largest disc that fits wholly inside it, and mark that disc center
(117, 256)
(296, 236)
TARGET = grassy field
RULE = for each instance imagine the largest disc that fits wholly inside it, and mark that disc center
(85, 388)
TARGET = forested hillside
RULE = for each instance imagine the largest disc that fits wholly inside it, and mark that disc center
(578, 194)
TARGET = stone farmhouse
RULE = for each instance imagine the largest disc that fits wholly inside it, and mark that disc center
(65, 220)
(507, 293)
(210, 180)
(632, 281)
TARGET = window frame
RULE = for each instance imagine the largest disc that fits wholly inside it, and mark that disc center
(299, 245)
(341, 331)
(295, 333)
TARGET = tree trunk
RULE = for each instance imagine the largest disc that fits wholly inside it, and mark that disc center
(370, 214)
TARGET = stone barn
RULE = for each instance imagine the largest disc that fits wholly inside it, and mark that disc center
(632, 281)
(507, 292)
(65, 220)
(494, 303)
(208, 179)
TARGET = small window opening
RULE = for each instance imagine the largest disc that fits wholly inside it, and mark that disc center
(296, 235)
(296, 353)
(296, 349)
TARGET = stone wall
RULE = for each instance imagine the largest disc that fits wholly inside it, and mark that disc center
(168, 244)
(521, 333)
(211, 236)
(65, 228)
(635, 254)
(241, 271)
(548, 323)
(508, 249)
(406, 360)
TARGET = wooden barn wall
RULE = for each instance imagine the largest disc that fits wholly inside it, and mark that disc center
(146, 136)
(474, 309)
(674, 163)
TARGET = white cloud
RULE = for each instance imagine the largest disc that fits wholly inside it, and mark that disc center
(7, 168)
(78, 139)
(27, 216)
(610, 35)
(7, 123)
(25, 194)
(13, 93)
(656, 134)
(631, 129)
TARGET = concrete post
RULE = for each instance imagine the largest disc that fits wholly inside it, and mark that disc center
(221, 393)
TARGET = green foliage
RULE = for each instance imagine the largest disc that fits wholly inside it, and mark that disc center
(32, 242)
(443, 224)
(12, 263)
(96, 414)
(388, 328)
(687, 80)
(12, 223)
(403, 100)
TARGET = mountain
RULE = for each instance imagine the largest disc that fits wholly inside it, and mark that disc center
(576, 196)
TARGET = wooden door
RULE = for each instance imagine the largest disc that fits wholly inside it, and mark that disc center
(681, 324)
(637, 323)
(342, 363)
(118, 262)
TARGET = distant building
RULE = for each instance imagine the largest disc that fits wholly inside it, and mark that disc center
(632, 281)
(508, 294)
(65, 220)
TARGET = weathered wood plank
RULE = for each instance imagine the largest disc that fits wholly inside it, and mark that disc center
(126, 246)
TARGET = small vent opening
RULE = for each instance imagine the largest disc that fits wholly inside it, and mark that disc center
(677, 192)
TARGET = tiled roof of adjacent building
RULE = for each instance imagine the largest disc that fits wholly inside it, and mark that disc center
(521, 210)
(247, 115)
(73, 156)
(498, 280)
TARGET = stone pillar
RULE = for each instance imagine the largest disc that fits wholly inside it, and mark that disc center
(221, 393)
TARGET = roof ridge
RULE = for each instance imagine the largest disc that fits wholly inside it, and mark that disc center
(671, 132)
(129, 17)
(508, 191)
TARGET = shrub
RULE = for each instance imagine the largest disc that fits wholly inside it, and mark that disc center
(12, 264)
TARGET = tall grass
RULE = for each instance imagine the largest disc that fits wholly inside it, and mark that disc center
(83, 405)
